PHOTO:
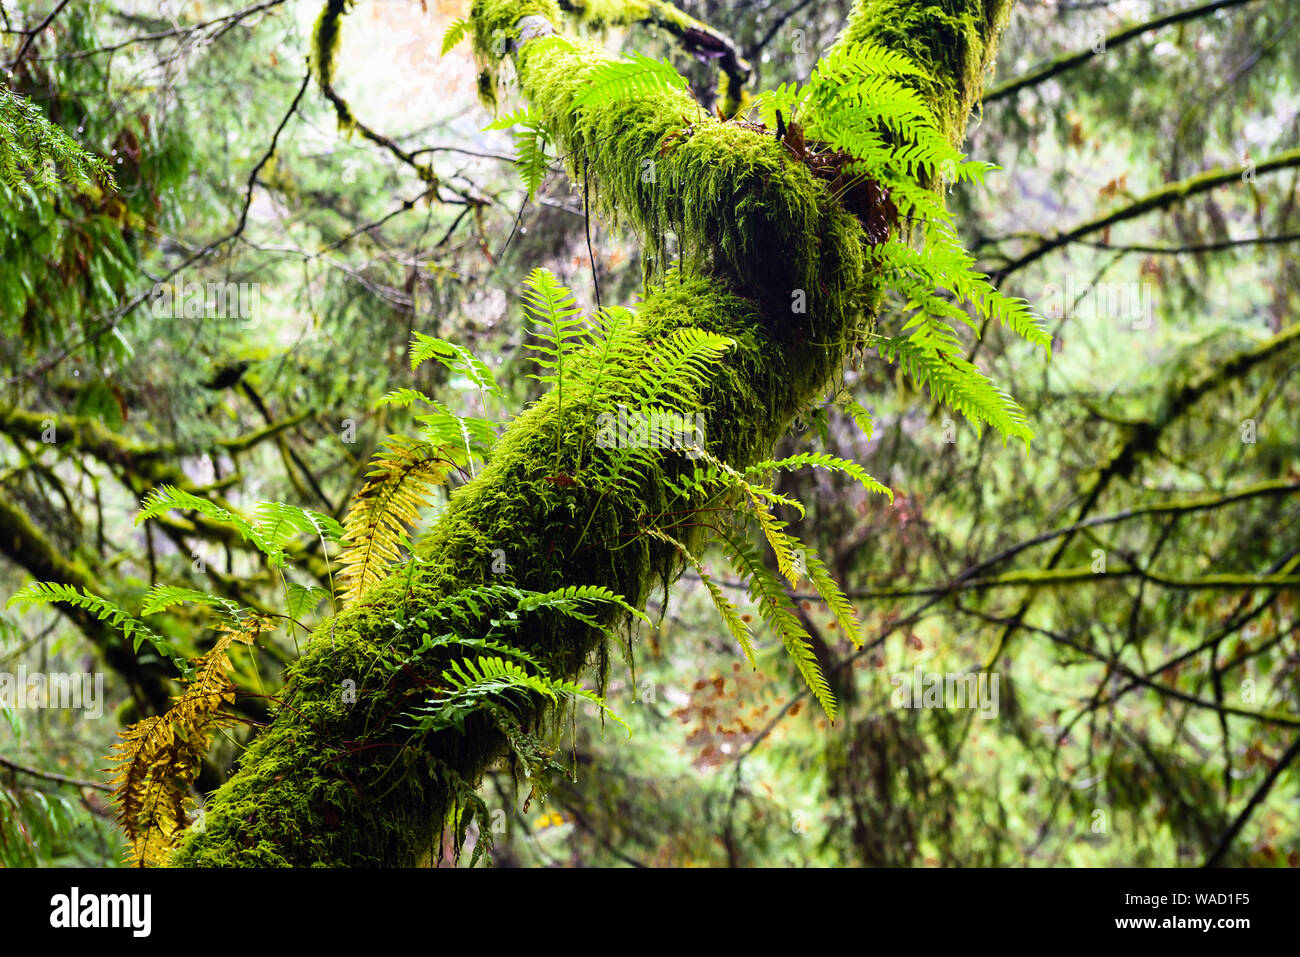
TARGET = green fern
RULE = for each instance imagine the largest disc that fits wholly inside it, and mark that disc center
(531, 138)
(456, 359)
(636, 75)
(168, 498)
(825, 461)
(301, 599)
(162, 597)
(558, 328)
(860, 110)
(473, 684)
(957, 383)
(774, 608)
(731, 617)
(457, 31)
(680, 364)
(133, 630)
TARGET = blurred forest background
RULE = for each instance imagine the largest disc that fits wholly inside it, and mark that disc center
(1135, 572)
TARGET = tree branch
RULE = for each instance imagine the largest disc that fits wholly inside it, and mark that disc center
(1117, 38)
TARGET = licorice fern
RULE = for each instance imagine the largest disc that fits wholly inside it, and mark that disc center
(530, 146)
(134, 630)
(159, 757)
(635, 75)
(716, 486)
(488, 683)
(399, 483)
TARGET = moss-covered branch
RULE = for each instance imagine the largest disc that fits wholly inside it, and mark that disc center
(697, 38)
(338, 780)
(26, 547)
(1143, 439)
(1162, 198)
(1056, 577)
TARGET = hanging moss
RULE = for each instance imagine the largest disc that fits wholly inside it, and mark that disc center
(326, 35)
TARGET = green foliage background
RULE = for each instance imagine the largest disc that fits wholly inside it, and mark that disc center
(357, 247)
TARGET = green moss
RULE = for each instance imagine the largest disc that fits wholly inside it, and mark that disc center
(953, 39)
(741, 209)
(325, 41)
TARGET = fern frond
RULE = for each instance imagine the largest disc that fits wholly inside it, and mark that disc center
(680, 364)
(161, 597)
(531, 161)
(720, 471)
(402, 398)
(558, 332)
(301, 599)
(835, 599)
(530, 145)
(958, 384)
(167, 498)
(862, 417)
(608, 356)
(279, 523)
(524, 116)
(730, 616)
(445, 428)
(637, 75)
(457, 31)
(825, 461)
(774, 608)
(490, 681)
(785, 547)
(397, 487)
(552, 309)
(135, 631)
(448, 639)
(456, 358)
(569, 601)
(848, 60)
(160, 757)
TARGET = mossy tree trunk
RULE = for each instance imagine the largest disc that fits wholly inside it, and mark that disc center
(334, 780)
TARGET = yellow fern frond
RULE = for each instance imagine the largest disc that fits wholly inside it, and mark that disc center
(397, 487)
(159, 757)
(785, 547)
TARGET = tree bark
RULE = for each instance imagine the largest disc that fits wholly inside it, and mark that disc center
(338, 783)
